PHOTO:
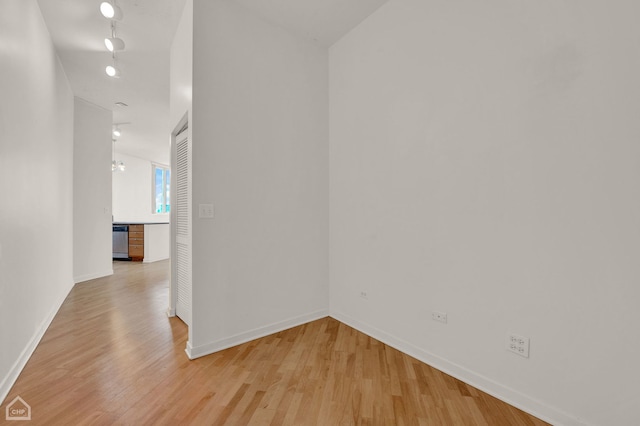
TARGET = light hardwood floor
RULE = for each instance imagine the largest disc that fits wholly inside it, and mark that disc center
(111, 356)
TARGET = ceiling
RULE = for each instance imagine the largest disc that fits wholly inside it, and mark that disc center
(325, 21)
(78, 30)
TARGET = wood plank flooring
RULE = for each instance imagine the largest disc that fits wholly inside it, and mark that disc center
(111, 356)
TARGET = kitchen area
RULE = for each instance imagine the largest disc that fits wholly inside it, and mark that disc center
(141, 242)
(141, 231)
(105, 121)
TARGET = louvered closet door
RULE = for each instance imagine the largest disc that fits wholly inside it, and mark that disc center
(183, 229)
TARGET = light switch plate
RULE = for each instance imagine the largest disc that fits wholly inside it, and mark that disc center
(205, 211)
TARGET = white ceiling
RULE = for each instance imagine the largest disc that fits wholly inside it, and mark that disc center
(325, 21)
(78, 30)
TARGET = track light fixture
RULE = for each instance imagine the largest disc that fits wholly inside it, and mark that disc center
(112, 71)
(114, 44)
(111, 11)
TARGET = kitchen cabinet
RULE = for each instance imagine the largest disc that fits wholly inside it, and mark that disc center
(141, 242)
(136, 242)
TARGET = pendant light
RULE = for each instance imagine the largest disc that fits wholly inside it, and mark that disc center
(116, 165)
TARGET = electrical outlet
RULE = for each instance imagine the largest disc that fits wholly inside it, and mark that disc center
(439, 316)
(364, 294)
(518, 345)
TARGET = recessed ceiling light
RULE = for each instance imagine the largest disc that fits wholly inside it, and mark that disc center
(121, 104)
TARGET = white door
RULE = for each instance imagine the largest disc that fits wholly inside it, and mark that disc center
(181, 262)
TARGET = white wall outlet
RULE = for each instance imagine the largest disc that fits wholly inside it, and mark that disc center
(205, 211)
(364, 294)
(439, 316)
(518, 345)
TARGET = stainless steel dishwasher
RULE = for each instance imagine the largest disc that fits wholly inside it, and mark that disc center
(121, 241)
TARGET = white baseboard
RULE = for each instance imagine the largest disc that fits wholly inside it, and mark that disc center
(189, 350)
(523, 402)
(93, 276)
(256, 333)
(154, 259)
(9, 380)
(171, 312)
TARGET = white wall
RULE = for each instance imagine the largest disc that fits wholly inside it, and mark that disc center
(260, 155)
(133, 191)
(36, 158)
(181, 67)
(485, 163)
(91, 191)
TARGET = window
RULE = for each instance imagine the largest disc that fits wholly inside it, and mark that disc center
(161, 185)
